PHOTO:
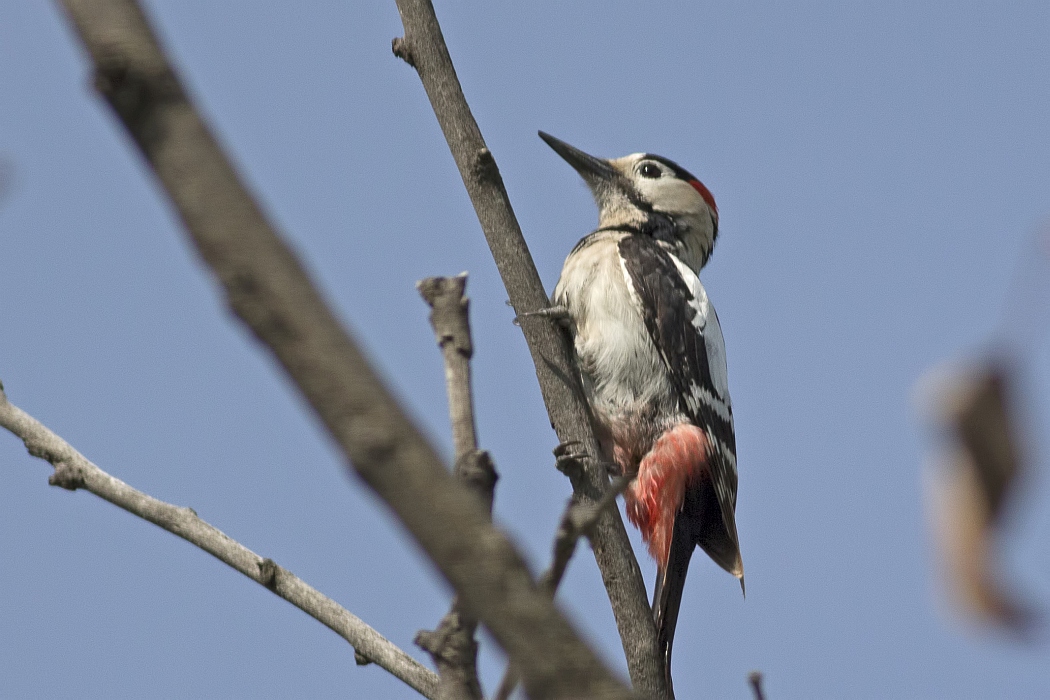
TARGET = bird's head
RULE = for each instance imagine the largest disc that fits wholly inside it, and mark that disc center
(650, 194)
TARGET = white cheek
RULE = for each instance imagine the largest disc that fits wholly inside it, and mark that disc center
(672, 196)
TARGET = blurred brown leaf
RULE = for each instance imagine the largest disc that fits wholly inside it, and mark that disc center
(973, 490)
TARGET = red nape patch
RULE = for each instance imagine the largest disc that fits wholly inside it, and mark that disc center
(654, 498)
(705, 193)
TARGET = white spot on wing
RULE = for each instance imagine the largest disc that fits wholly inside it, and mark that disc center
(706, 324)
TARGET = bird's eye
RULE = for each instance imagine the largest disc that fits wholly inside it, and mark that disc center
(650, 170)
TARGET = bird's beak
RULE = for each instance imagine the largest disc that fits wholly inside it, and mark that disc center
(594, 170)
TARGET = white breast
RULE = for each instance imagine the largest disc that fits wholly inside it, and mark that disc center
(622, 372)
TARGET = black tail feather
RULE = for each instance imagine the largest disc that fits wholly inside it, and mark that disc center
(667, 593)
(699, 522)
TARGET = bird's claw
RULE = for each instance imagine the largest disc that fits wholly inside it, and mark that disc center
(558, 314)
(569, 456)
(564, 447)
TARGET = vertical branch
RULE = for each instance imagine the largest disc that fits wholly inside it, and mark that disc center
(423, 47)
(452, 645)
(451, 324)
(268, 289)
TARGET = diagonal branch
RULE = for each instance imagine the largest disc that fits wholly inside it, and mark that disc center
(452, 645)
(423, 47)
(579, 520)
(268, 289)
(74, 471)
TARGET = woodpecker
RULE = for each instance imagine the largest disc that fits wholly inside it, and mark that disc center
(653, 362)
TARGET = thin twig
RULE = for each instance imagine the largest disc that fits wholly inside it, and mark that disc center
(755, 680)
(74, 471)
(578, 520)
(423, 47)
(452, 645)
(267, 287)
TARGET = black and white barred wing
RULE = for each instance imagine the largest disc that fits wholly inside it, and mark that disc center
(683, 326)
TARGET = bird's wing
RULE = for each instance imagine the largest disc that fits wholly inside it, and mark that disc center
(684, 329)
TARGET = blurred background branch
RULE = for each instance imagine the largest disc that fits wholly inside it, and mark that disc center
(268, 289)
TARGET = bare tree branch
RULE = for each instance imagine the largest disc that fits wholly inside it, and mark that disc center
(267, 287)
(578, 520)
(74, 471)
(452, 645)
(754, 679)
(423, 47)
(451, 323)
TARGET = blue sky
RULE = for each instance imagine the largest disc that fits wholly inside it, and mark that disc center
(879, 170)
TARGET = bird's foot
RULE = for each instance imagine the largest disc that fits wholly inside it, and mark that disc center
(558, 314)
(569, 458)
